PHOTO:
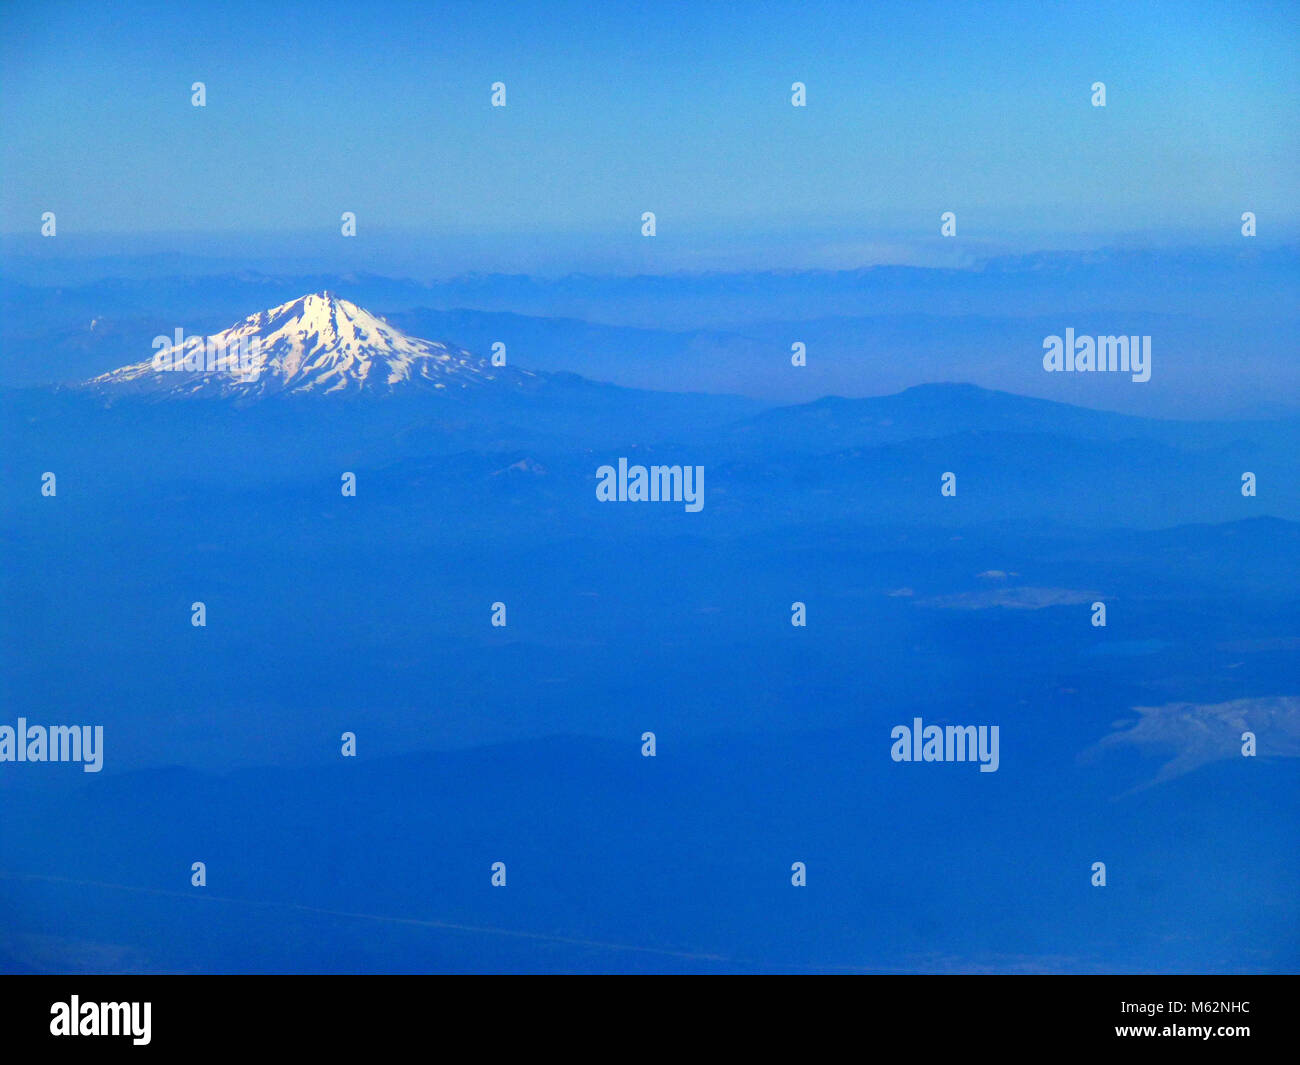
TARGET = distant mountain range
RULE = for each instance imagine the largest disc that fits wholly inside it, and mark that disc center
(325, 385)
(867, 332)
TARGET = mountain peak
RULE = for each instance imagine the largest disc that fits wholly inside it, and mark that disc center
(318, 343)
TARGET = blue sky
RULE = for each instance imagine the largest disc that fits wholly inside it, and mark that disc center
(682, 109)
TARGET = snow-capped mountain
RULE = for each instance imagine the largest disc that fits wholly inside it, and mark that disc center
(317, 345)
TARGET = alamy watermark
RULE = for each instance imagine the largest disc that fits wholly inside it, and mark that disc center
(1072, 354)
(198, 354)
(53, 743)
(946, 743)
(75, 1017)
(653, 484)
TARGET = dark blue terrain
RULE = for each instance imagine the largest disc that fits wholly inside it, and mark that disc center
(523, 744)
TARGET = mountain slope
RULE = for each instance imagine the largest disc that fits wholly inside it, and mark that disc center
(318, 344)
